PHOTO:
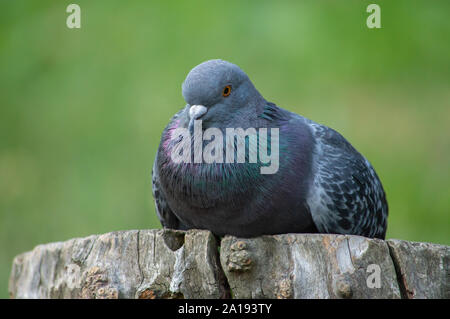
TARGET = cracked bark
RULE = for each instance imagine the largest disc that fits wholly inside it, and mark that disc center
(177, 264)
(422, 269)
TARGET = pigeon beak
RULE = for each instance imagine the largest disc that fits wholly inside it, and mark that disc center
(195, 112)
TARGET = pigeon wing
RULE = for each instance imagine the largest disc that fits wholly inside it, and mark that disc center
(163, 211)
(346, 196)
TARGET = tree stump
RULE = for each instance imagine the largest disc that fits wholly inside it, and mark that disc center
(195, 264)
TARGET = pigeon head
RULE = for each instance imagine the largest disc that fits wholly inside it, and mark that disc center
(220, 94)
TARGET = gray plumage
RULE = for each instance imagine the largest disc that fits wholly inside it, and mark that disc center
(323, 184)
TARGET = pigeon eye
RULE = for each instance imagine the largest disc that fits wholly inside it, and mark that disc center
(226, 90)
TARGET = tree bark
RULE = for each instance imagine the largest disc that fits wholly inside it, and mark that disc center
(194, 264)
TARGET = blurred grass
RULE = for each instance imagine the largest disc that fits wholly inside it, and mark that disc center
(81, 111)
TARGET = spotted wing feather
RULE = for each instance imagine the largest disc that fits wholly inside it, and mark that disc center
(346, 195)
(163, 211)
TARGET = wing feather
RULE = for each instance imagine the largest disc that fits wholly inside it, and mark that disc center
(163, 211)
(346, 196)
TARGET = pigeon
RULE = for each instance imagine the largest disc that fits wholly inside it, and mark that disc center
(321, 183)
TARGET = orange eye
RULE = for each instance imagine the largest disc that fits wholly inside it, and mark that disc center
(226, 90)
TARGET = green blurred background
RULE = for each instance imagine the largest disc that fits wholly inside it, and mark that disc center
(82, 110)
